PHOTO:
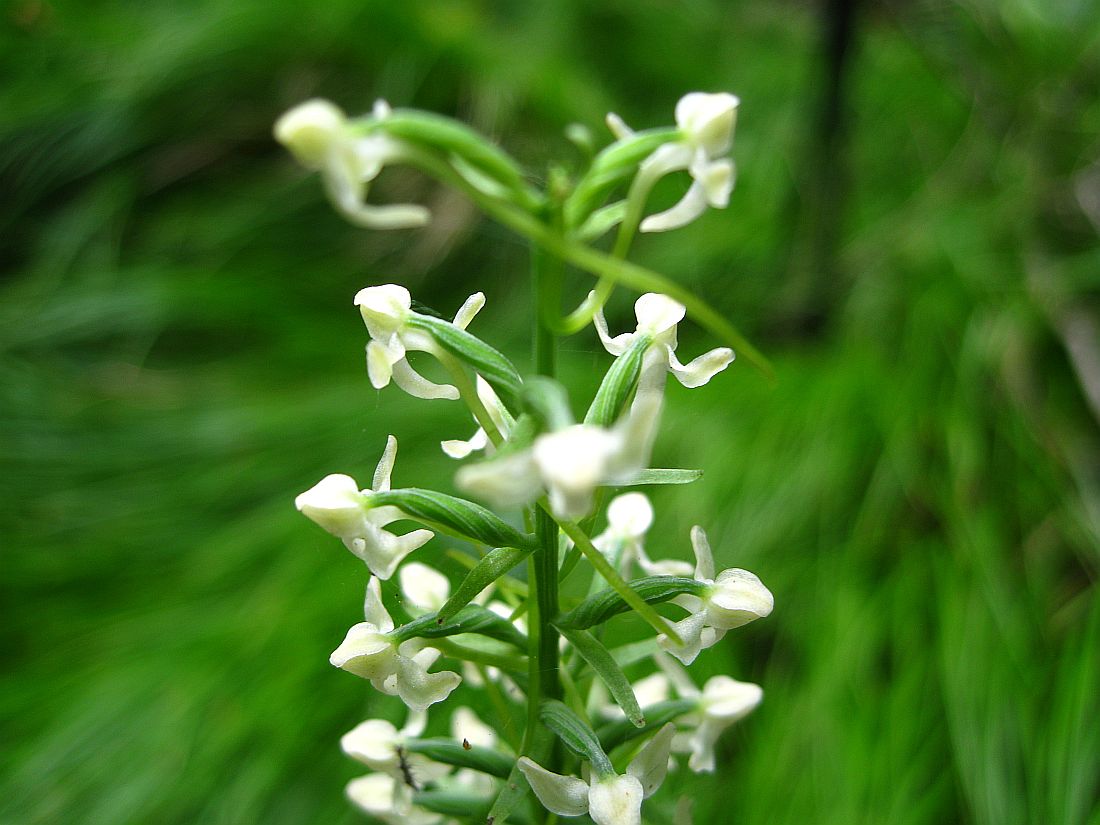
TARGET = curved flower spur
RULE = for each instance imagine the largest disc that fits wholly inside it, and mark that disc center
(552, 475)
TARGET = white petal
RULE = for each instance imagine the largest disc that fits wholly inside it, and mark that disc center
(707, 120)
(615, 346)
(426, 589)
(737, 598)
(456, 448)
(666, 158)
(630, 515)
(380, 361)
(664, 567)
(690, 631)
(690, 207)
(373, 793)
(572, 462)
(562, 795)
(617, 126)
(309, 129)
(726, 698)
(419, 689)
(704, 559)
(382, 551)
(374, 611)
(335, 504)
(418, 386)
(657, 313)
(471, 307)
(384, 308)
(717, 179)
(504, 480)
(384, 469)
(374, 743)
(651, 763)
(365, 652)
(616, 800)
(700, 370)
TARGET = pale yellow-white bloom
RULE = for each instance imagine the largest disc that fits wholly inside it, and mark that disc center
(611, 799)
(370, 652)
(658, 317)
(722, 702)
(322, 138)
(706, 123)
(629, 517)
(389, 800)
(386, 310)
(735, 598)
(338, 505)
(376, 744)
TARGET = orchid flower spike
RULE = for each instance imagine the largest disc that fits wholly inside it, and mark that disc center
(338, 505)
(706, 124)
(722, 702)
(629, 516)
(322, 138)
(386, 310)
(371, 653)
(658, 316)
(735, 598)
(609, 799)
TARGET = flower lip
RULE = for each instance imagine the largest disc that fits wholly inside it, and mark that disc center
(616, 800)
(384, 308)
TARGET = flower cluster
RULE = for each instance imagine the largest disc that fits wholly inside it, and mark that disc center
(520, 625)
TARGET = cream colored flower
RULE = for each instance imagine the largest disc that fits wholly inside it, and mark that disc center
(338, 505)
(735, 598)
(320, 136)
(610, 799)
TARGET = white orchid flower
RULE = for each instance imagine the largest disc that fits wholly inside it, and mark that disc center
(706, 123)
(370, 652)
(629, 516)
(498, 413)
(735, 598)
(658, 316)
(386, 310)
(389, 800)
(380, 746)
(610, 799)
(338, 505)
(320, 136)
(722, 702)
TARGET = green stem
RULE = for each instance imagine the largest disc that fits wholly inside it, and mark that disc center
(604, 568)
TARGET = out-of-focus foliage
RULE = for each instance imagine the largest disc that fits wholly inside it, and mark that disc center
(179, 357)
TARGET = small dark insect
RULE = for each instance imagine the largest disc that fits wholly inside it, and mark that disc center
(466, 744)
(406, 769)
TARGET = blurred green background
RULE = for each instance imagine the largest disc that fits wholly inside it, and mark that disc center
(913, 240)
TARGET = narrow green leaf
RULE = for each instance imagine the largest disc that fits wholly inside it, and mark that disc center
(615, 733)
(662, 476)
(492, 566)
(605, 666)
(600, 607)
(473, 618)
(617, 385)
(453, 515)
(450, 752)
(491, 364)
(575, 734)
